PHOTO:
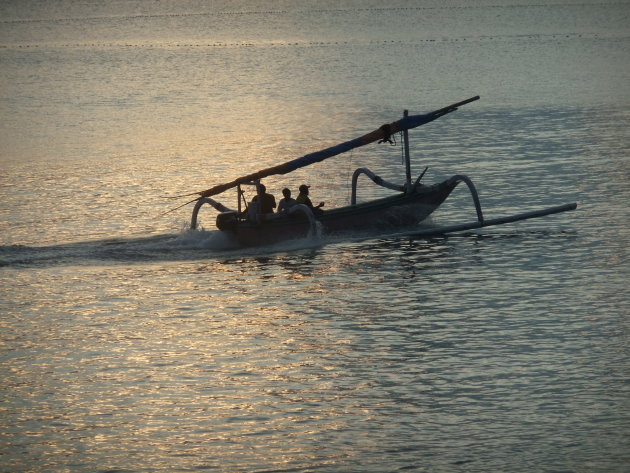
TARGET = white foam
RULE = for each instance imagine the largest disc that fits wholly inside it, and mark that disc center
(204, 239)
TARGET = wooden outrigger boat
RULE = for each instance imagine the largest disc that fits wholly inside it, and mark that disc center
(413, 202)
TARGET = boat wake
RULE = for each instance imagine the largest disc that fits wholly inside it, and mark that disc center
(186, 246)
(112, 250)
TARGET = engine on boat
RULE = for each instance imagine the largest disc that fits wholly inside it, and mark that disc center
(227, 220)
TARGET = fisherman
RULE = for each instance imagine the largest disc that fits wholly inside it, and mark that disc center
(303, 198)
(287, 202)
(268, 201)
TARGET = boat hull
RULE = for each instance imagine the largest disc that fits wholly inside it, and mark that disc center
(389, 213)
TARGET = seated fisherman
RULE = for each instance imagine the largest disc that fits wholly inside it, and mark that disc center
(287, 202)
(303, 198)
(268, 203)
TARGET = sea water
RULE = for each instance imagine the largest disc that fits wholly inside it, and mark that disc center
(131, 343)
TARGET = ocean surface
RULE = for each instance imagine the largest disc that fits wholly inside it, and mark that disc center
(129, 343)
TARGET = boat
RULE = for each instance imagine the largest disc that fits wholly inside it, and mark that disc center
(412, 203)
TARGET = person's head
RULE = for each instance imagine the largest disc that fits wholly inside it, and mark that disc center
(286, 192)
(263, 189)
(304, 189)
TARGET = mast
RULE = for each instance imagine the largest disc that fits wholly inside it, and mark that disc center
(407, 158)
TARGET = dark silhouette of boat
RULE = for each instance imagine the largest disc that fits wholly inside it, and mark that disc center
(413, 202)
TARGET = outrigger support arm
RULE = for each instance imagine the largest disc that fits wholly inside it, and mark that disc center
(376, 179)
(205, 200)
(403, 188)
(309, 214)
(473, 193)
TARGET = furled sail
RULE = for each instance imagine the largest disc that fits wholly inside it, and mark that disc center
(381, 133)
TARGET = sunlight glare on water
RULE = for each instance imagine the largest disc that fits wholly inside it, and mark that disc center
(132, 343)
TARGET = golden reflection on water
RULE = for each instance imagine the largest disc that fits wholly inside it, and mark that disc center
(128, 343)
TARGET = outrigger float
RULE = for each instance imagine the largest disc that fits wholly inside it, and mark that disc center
(413, 202)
